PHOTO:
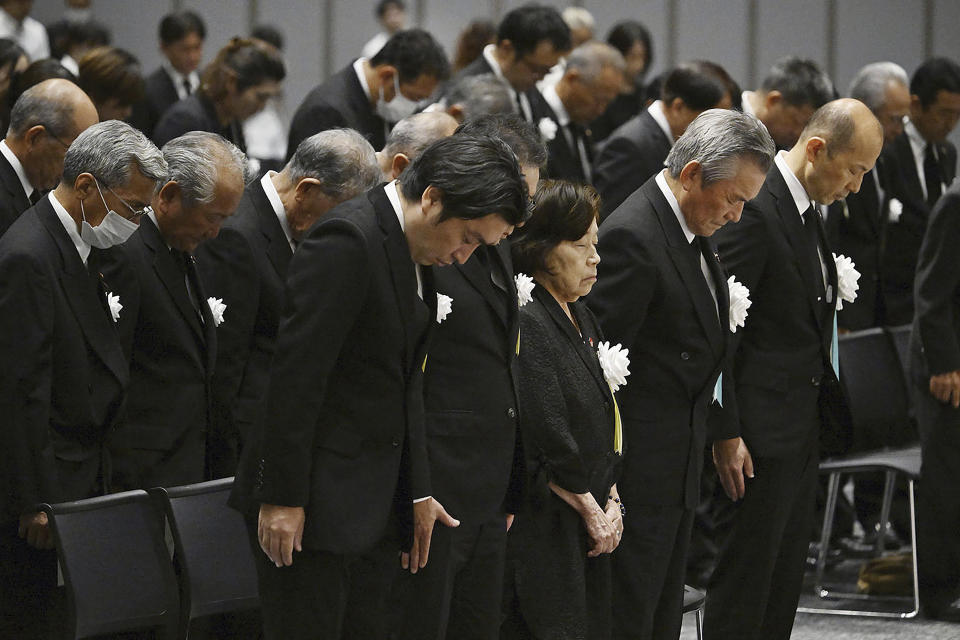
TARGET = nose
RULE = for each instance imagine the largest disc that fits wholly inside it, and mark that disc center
(854, 186)
(463, 254)
(736, 213)
(594, 257)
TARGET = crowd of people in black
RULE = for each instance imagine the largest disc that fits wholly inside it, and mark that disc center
(513, 347)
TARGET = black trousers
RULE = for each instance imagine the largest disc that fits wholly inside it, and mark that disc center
(458, 595)
(755, 587)
(649, 567)
(31, 606)
(325, 596)
(938, 502)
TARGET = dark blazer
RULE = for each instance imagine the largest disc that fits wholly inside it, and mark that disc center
(13, 200)
(159, 94)
(64, 382)
(246, 265)
(652, 298)
(470, 388)
(195, 113)
(786, 386)
(344, 423)
(480, 66)
(171, 353)
(619, 111)
(567, 420)
(631, 155)
(903, 238)
(338, 102)
(563, 161)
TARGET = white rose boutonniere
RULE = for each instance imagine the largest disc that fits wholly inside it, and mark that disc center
(548, 129)
(615, 364)
(113, 301)
(847, 280)
(216, 309)
(444, 307)
(525, 287)
(739, 303)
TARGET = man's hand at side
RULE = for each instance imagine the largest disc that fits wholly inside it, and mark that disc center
(734, 464)
(280, 531)
(425, 513)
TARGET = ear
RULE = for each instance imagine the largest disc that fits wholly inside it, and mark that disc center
(506, 46)
(456, 112)
(385, 75)
(305, 188)
(168, 196)
(572, 75)
(915, 106)
(85, 186)
(815, 145)
(430, 200)
(33, 136)
(399, 163)
(676, 105)
(772, 99)
(690, 175)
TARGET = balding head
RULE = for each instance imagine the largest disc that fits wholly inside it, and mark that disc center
(885, 88)
(44, 122)
(410, 137)
(593, 78)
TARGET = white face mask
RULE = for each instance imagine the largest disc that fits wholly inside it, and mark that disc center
(114, 229)
(397, 109)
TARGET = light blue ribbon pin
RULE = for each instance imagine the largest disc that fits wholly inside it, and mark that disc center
(718, 390)
(834, 349)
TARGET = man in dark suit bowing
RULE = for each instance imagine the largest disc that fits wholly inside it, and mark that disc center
(44, 121)
(470, 389)
(662, 294)
(786, 373)
(246, 266)
(343, 458)
(371, 95)
(65, 377)
(168, 326)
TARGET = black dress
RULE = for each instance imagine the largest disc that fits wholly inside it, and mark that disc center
(567, 425)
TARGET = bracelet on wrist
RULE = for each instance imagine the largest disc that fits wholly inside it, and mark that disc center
(623, 509)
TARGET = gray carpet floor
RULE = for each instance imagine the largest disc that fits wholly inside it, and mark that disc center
(821, 627)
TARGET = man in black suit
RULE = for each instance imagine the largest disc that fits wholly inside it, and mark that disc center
(935, 369)
(926, 164)
(470, 387)
(662, 294)
(786, 377)
(531, 39)
(592, 78)
(410, 137)
(181, 42)
(64, 384)
(371, 95)
(44, 121)
(343, 456)
(635, 152)
(246, 266)
(168, 325)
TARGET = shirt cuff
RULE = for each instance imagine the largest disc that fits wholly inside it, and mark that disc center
(421, 499)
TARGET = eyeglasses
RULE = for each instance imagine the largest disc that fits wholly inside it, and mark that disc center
(135, 214)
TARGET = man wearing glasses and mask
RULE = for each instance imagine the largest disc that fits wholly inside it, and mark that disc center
(168, 324)
(64, 377)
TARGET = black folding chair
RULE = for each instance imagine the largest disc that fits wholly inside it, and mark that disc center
(115, 565)
(693, 600)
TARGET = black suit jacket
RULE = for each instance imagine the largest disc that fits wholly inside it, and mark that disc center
(338, 102)
(631, 155)
(344, 424)
(246, 266)
(563, 162)
(171, 351)
(195, 113)
(652, 298)
(63, 383)
(159, 94)
(470, 388)
(13, 200)
(786, 387)
(903, 238)
(480, 66)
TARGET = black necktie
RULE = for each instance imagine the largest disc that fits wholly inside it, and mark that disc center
(868, 191)
(34, 196)
(813, 243)
(183, 262)
(931, 175)
(579, 149)
(520, 111)
(187, 87)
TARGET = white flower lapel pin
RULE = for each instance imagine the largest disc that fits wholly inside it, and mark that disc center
(444, 307)
(615, 364)
(113, 301)
(548, 129)
(739, 303)
(216, 310)
(525, 287)
(847, 280)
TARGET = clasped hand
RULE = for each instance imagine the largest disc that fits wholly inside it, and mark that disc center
(945, 387)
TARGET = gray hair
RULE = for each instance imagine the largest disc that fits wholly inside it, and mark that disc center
(36, 106)
(481, 95)
(195, 161)
(415, 133)
(341, 159)
(109, 150)
(578, 18)
(717, 139)
(869, 86)
(591, 58)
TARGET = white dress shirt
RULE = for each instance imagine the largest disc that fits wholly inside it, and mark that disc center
(268, 188)
(374, 44)
(525, 109)
(71, 226)
(17, 168)
(919, 147)
(29, 34)
(746, 105)
(178, 80)
(656, 112)
(70, 64)
(802, 202)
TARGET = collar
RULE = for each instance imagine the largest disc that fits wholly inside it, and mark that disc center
(17, 167)
(153, 218)
(394, 197)
(70, 64)
(9, 23)
(550, 95)
(746, 104)
(797, 192)
(178, 79)
(661, 181)
(268, 188)
(917, 142)
(361, 76)
(492, 61)
(83, 248)
(656, 112)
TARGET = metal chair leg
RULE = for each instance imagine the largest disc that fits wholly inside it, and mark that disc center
(700, 623)
(913, 550)
(889, 483)
(829, 513)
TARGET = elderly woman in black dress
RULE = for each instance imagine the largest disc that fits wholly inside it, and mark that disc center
(570, 519)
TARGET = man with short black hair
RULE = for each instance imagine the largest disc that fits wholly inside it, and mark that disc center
(181, 42)
(17, 25)
(373, 94)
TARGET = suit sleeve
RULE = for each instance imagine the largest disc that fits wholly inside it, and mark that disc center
(938, 277)
(326, 288)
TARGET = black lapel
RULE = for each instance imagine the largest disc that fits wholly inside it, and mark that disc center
(826, 318)
(169, 274)
(501, 255)
(402, 269)
(278, 249)
(360, 105)
(12, 184)
(209, 324)
(720, 284)
(480, 278)
(84, 295)
(908, 168)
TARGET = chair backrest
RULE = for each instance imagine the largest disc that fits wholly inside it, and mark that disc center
(876, 388)
(116, 567)
(901, 341)
(217, 571)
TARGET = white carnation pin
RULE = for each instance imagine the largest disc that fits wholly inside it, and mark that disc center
(615, 364)
(113, 301)
(444, 307)
(217, 308)
(525, 286)
(548, 129)
(847, 280)
(739, 303)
